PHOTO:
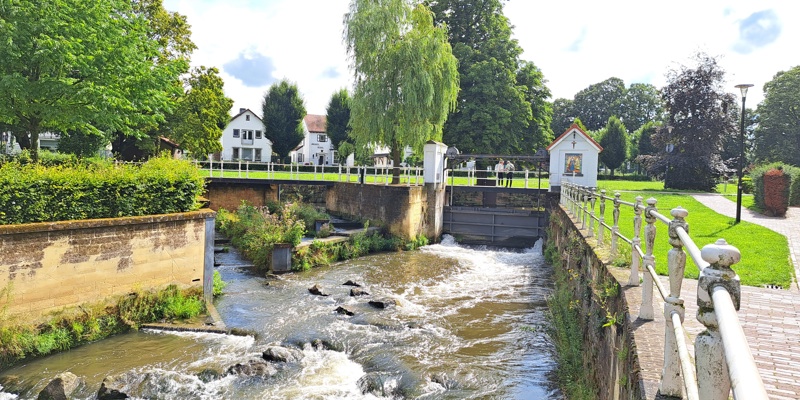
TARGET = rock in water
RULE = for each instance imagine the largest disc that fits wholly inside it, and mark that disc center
(110, 389)
(342, 310)
(282, 354)
(316, 290)
(383, 303)
(253, 368)
(60, 388)
(351, 283)
(358, 292)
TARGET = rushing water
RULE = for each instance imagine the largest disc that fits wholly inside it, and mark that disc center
(468, 324)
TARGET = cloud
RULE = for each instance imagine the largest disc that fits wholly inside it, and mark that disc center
(331, 73)
(758, 30)
(576, 45)
(253, 70)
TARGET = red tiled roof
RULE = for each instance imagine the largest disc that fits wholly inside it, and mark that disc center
(576, 127)
(315, 123)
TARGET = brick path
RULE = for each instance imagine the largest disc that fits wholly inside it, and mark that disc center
(770, 317)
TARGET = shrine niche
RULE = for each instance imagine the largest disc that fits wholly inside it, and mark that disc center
(573, 158)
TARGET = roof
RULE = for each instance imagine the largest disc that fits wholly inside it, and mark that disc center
(315, 123)
(242, 113)
(575, 127)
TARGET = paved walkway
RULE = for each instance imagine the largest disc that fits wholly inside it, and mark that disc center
(788, 226)
(770, 317)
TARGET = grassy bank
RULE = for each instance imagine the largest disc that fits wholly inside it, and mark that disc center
(91, 323)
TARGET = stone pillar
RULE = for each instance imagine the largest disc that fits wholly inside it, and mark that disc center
(433, 173)
(646, 311)
(602, 220)
(636, 242)
(671, 381)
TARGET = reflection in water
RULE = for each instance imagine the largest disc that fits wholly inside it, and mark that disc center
(467, 324)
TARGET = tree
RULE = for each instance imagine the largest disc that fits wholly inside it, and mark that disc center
(406, 78)
(81, 144)
(537, 134)
(777, 136)
(644, 141)
(697, 108)
(563, 116)
(615, 144)
(337, 120)
(283, 111)
(641, 104)
(78, 65)
(598, 102)
(201, 113)
(494, 110)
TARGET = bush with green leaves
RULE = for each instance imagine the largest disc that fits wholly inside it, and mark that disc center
(38, 193)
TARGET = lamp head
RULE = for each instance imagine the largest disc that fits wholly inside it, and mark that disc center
(743, 87)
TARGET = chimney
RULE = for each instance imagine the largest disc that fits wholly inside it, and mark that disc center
(241, 110)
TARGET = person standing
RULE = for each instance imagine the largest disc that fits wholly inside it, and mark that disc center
(499, 171)
(509, 167)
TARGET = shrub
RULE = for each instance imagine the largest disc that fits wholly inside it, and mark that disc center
(218, 284)
(89, 190)
(757, 176)
(776, 192)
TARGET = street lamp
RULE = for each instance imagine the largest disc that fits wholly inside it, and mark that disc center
(743, 87)
(669, 149)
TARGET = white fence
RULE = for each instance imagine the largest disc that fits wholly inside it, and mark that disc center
(723, 361)
(410, 176)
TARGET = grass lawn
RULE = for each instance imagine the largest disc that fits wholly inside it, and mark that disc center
(765, 254)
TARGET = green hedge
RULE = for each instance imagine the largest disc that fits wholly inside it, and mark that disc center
(757, 175)
(37, 193)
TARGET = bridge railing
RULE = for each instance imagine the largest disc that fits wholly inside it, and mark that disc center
(524, 178)
(410, 176)
(723, 343)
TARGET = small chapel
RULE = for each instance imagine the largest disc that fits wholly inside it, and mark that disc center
(574, 158)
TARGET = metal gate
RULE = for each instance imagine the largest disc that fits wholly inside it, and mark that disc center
(495, 226)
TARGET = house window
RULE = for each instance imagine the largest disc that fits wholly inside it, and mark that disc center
(258, 134)
(236, 133)
(299, 157)
(235, 153)
(247, 135)
(322, 138)
(258, 155)
(247, 117)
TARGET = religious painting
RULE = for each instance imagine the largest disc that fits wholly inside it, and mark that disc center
(572, 163)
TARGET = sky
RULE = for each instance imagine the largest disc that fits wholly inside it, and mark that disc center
(575, 43)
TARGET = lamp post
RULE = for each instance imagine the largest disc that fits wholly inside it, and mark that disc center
(670, 147)
(743, 87)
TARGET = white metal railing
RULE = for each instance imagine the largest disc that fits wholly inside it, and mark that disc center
(409, 176)
(718, 297)
(527, 179)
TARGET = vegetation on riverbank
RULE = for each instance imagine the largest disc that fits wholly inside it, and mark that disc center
(256, 230)
(91, 323)
(565, 332)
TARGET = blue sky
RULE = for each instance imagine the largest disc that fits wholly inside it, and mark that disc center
(575, 42)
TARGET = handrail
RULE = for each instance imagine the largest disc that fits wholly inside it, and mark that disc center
(718, 296)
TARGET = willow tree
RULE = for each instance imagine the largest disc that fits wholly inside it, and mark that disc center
(406, 77)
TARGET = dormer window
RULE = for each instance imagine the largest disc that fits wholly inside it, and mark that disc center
(322, 138)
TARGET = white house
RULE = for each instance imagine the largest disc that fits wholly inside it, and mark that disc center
(243, 139)
(573, 158)
(383, 157)
(316, 147)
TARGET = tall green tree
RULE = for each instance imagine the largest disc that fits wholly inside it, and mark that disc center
(777, 136)
(644, 142)
(615, 144)
(563, 115)
(406, 78)
(494, 112)
(337, 119)
(80, 65)
(201, 113)
(598, 102)
(640, 104)
(697, 105)
(283, 111)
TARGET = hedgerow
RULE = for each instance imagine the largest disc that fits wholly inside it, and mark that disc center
(37, 193)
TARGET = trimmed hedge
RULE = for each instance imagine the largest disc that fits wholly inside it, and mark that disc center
(757, 175)
(36, 193)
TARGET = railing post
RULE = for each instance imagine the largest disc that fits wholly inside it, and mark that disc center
(646, 311)
(636, 241)
(602, 220)
(585, 207)
(615, 227)
(526, 178)
(713, 380)
(671, 382)
(592, 199)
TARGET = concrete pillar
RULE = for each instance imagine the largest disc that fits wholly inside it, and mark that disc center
(433, 173)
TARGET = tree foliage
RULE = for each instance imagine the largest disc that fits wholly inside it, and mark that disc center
(501, 106)
(337, 119)
(697, 105)
(81, 144)
(80, 65)
(563, 116)
(406, 78)
(641, 104)
(777, 136)
(615, 144)
(598, 102)
(201, 113)
(283, 111)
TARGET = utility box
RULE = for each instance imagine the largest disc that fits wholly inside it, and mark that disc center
(282, 258)
(433, 163)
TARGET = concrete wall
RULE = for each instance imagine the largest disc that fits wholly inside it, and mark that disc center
(402, 209)
(52, 266)
(610, 355)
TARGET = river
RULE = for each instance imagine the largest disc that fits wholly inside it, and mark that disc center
(468, 324)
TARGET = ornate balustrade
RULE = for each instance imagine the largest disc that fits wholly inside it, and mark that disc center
(723, 361)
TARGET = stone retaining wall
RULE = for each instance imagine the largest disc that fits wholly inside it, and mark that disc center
(610, 355)
(51, 266)
(401, 209)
